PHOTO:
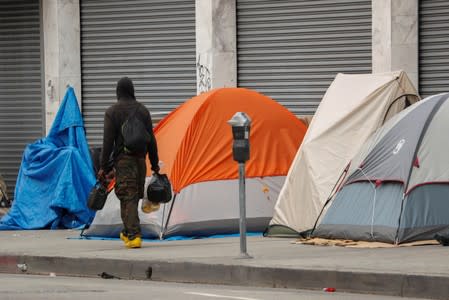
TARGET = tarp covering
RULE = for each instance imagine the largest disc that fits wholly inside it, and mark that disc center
(55, 176)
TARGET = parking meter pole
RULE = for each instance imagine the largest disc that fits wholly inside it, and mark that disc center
(242, 201)
(241, 125)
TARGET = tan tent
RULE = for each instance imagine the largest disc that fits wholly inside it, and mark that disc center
(353, 107)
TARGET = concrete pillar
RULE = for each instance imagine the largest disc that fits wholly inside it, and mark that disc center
(62, 56)
(395, 37)
(216, 47)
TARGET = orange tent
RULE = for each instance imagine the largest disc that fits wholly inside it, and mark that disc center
(195, 148)
(195, 141)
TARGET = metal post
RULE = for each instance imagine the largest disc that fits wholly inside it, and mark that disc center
(242, 201)
(241, 125)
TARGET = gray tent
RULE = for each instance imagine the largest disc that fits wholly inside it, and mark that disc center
(397, 189)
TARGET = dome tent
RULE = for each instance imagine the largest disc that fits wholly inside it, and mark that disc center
(398, 184)
(195, 147)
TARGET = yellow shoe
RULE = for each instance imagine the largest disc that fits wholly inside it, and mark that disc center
(124, 238)
(135, 243)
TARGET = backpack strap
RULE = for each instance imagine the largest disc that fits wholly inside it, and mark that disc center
(133, 113)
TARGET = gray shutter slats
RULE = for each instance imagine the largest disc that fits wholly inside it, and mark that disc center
(21, 107)
(150, 41)
(292, 50)
(433, 47)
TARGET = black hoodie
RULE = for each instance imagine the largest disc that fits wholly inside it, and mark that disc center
(115, 116)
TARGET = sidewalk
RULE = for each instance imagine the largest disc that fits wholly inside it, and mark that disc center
(420, 271)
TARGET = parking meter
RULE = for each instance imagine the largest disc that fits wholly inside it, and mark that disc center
(241, 125)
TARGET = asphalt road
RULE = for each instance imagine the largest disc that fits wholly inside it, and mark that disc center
(51, 287)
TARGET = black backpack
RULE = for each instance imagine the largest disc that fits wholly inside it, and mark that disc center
(135, 135)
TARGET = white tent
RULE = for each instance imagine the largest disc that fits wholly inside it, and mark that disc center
(353, 107)
(185, 218)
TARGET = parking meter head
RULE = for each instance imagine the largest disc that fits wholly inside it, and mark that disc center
(241, 125)
(240, 119)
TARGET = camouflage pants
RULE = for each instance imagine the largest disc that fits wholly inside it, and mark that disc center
(130, 172)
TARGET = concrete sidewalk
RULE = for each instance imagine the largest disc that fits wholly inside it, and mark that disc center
(420, 271)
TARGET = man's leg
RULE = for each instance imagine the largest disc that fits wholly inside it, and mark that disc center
(127, 190)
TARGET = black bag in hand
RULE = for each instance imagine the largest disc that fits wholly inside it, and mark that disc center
(97, 197)
(159, 189)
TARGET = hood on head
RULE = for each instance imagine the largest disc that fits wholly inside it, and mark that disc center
(125, 89)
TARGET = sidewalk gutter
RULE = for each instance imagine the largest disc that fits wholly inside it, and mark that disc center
(393, 284)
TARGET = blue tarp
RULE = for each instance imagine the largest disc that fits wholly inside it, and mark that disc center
(172, 238)
(55, 177)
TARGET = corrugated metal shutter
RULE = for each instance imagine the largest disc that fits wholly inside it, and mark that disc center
(291, 50)
(433, 47)
(150, 41)
(21, 105)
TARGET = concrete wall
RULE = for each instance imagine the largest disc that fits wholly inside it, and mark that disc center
(62, 56)
(395, 37)
(216, 46)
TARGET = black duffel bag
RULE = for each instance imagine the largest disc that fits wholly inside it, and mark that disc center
(97, 197)
(159, 189)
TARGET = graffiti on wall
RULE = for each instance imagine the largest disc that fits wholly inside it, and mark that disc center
(204, 77)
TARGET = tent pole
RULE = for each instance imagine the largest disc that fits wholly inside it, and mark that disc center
(161, 233)
(432, 114)
(333, 191)
(164, 228)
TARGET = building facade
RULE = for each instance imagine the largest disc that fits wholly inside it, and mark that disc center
(289, 50)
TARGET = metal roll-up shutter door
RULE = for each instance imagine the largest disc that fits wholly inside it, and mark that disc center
(150, 41)
(291, 50)
(433, 47)
(21, 105)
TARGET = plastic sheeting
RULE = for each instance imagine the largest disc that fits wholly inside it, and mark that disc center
(55, 177)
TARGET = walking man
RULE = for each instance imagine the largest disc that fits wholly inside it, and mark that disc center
(129, 166)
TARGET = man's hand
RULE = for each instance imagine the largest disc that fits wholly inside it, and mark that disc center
(155, 169)
(109, 176)
(101, 175)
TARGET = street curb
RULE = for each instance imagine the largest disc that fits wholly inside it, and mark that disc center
(404, 285)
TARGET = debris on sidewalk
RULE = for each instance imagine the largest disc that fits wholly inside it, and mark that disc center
(105, 275)
(443, 239)
(359, 244)
(22, 267)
